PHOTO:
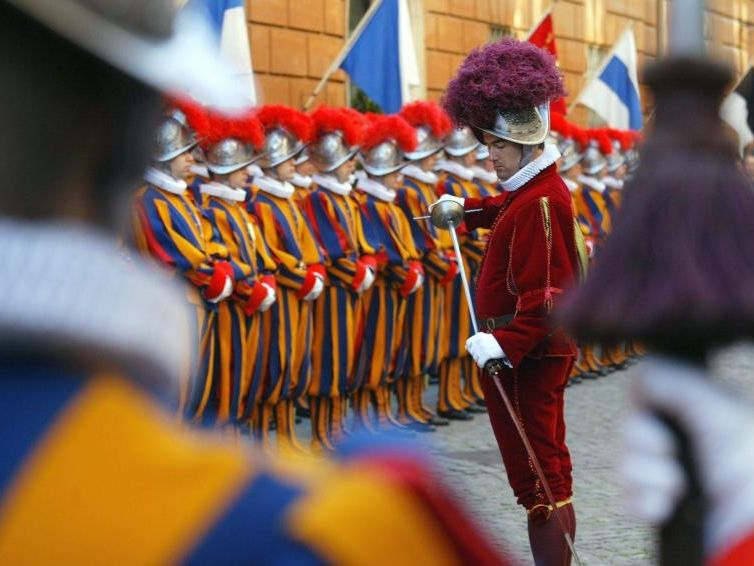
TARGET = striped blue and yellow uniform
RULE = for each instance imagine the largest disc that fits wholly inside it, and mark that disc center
(239, 356)
(96, 473)
(425, 310)
(170, 230)
(349, 243)
(288, 324)
(384, 304)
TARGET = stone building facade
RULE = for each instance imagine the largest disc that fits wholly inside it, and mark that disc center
(294, 41)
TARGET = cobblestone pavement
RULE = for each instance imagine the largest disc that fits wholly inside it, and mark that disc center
(470, 464)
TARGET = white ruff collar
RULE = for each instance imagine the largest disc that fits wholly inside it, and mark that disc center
(612, 182)
(332, 184)
(456, 168)
(223, 191)
(572, 185)
(163, 181)
(254, 170)
(592, 183)
(303, 181)
(282, 189)
(74, 291)
(416, 172)
(200, 170)
(375, 188)
(549, 156)
(484, 175)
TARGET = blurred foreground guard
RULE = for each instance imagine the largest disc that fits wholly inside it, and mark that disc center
(94, 471)
(502, 92)
(681, 283)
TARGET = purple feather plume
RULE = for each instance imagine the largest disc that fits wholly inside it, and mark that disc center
(509, 74)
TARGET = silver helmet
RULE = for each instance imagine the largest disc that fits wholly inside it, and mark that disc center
(172, 139)
(229, 155)
(527, 127)
(632, 160)
(383, 159)
(279, 146)
(303, 157)
(461, 141)
(593, 161)
(569, 153)
(330, 151)
(482, 152)
(616, 158)
(427, 144)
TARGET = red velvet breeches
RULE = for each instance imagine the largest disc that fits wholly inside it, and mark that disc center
(536, 390)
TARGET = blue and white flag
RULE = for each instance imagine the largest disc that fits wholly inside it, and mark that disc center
(228, 19)
(613, 93)
(382, 59)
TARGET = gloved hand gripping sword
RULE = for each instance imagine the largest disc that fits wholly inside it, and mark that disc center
(448, 215)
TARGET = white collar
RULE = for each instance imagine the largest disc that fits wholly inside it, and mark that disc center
(375, 188)
(416, 172)
(216, 189)
(484, 175)
(549, 156)
(166, 182)
(200, 170)
(456, 168)
(282, 189)
(572, 185)
(303, 181)
(332, 184)
(73, 290)
(592, 183)
(612, 182)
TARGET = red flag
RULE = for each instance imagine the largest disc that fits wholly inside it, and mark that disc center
(542, 35)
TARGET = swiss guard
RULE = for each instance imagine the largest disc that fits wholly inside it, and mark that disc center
(337, 221)
(399, 272)
(286, 328)
(169, 228)
(423, 350)
(502, 92)
(230, 146)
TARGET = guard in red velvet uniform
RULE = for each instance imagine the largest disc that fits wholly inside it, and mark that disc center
(502, 92)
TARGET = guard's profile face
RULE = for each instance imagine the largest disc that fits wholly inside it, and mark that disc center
(505, 155)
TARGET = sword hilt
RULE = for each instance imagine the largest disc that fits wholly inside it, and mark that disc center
(495, 367)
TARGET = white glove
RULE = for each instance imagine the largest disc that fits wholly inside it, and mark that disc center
(319, 284)
(227, 291)
(446, 197)
(418, 284)
(368, 280)
(721, 430)
(269, 300)
(484, 347)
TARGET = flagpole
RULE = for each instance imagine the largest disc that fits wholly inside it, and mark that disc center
(539, 22)
(602, 66)
(343, 52)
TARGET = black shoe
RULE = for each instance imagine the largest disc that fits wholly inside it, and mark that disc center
(575, 380)
(475, 409)
(603, 371)
(433, 379)
(303, 412)
(481, 403)
(455, 415)
(589, 375)
(438, 421)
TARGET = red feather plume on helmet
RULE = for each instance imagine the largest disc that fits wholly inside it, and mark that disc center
(245, 127)
(559, 124)
(603, 140)
(345, 120)
(580, 135)
(623, 137)
(196, 114)
(290, 119)
(383, 128)
(427, 113)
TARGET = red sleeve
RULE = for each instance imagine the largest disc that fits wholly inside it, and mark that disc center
(740, 553)
(490, 207)
(541, 266)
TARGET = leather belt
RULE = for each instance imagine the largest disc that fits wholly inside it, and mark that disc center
(492, 323)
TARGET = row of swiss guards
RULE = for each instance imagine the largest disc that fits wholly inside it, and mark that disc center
(313, 287)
